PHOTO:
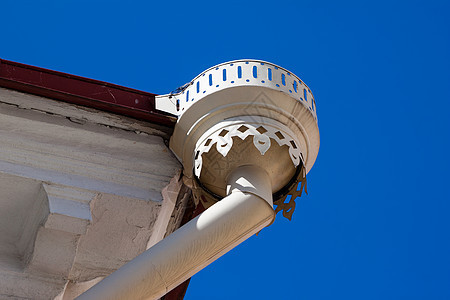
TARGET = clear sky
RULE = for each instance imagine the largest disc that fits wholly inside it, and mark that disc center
(375, 224)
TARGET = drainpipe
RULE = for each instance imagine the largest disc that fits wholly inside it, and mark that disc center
(246, 135)
(246, 210)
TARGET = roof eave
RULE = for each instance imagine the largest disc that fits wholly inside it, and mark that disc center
(82, 91)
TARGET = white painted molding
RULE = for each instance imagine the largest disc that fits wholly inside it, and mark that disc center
(59, 164)
(79, 114)
(51, 149)
(170, 195)
(69, 208)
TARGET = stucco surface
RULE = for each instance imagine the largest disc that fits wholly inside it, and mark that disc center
(80, 194)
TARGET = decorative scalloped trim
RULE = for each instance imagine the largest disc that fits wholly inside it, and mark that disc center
(296, 192)
(262, 135)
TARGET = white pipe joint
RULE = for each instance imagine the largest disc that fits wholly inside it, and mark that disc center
(252, 180)
(245, 211)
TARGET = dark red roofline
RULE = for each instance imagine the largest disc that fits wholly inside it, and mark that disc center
(82, 91)
(95, 94)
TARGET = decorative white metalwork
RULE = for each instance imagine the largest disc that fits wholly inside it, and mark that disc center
(287, 203)
(234, 74)
(262, 104)
(262, 135)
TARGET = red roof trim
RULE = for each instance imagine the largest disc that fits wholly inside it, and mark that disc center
(82, 91)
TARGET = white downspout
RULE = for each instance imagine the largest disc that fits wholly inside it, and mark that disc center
(245, 210)
(246, 131)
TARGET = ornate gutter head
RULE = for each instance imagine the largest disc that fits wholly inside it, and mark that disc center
(245, 112)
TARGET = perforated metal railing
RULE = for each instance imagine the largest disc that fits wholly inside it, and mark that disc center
(242, 73)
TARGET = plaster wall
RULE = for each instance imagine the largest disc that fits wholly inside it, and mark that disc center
(80, 194)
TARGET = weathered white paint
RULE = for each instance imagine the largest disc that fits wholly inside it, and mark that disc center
(80, 114)
(80, 194)
(245, 211)
(170, 195)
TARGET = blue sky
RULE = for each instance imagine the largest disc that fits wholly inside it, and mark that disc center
(375, 224)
